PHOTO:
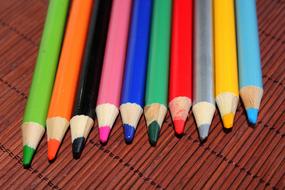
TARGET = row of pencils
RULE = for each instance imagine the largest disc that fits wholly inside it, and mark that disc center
(105, 57)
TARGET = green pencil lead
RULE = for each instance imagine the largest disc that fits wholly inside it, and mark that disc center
(153, 132)
(28, 154)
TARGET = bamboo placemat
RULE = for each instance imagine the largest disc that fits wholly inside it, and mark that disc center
(247, 157)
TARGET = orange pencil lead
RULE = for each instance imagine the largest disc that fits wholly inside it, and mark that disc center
(53, 146)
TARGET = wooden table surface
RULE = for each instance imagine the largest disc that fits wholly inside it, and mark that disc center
(246, 157)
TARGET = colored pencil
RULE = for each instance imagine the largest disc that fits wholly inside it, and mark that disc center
(157, 72)
(250, 74)
(226, 76)
(133, 91)
(180, 80)
(203, 97)
(33, 127)
(88, 86)
(64, 90)
(108, 102)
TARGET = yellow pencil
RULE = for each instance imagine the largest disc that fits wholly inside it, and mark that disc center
(226, 75)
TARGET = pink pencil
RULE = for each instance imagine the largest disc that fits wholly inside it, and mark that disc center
(108, 102)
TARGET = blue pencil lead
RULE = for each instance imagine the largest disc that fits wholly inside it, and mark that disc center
(129, 132)
(252, 115)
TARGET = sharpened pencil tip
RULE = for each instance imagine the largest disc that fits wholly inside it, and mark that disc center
(252, 115)
(153, 133)
(77, 147)
(53, 146)
(203, 131)
(104, 134)
(228, 120)
(129, 132)
(179, 126)
(28, 154)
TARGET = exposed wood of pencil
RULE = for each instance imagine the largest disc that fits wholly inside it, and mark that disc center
(106, 114)
(131, 113)
(203, 113)
(227, 103)
(154, 115)
(57, 127)
(32, 134)
(81, 125)
(251, 97)
(179, 108)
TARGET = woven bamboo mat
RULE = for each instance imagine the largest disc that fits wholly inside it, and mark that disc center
(252, 158)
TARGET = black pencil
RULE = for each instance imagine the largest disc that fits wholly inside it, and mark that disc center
(87, 91)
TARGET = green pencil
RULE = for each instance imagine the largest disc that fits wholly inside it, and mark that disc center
(35, 115)
(158, 66)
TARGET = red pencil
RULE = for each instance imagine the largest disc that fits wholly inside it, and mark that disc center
(180, 89)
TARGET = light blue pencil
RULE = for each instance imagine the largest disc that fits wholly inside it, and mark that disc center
(250, 74)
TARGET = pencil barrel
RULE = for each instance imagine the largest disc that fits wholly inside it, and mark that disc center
(158, 65)
(114, 58)
(203, 52)
(180, 78)
(226, 75)
(88, 85)
(133, 90)
(67, 75)
(44, 74)
(248, 44)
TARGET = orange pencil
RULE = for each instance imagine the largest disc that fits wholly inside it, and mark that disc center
(64, 90)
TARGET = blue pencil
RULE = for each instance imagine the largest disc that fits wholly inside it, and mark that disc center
(133, 90)
(250, 74)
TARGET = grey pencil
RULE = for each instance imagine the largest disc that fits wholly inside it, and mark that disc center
(204, 103)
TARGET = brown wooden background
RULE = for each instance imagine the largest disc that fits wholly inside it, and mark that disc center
(247, 157)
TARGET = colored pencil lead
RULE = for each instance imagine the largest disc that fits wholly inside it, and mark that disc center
(179, 126)
(106, 114)
(57, 127)
(154, 114)
(129, 132)
(179, 108)
(228, 120)
(77, 147)
(153, 132)
(28, 153)
(131, 114)
(251, 97)
(104, 132)
(203, 131)
(81, 127)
